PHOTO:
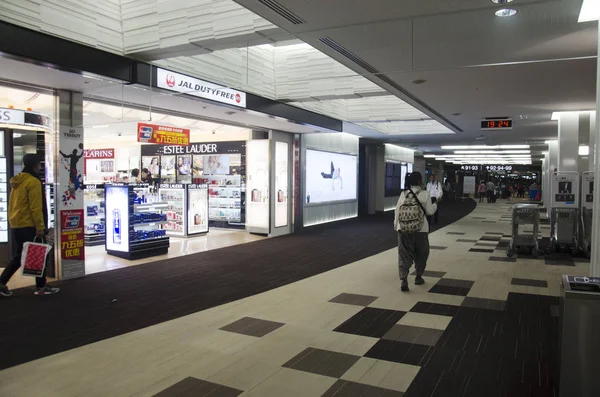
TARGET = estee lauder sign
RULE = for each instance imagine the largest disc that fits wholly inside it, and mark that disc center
(195, 148)
(99, 153)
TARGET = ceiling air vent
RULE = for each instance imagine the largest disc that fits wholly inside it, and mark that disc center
(342, 51)
(371, 69)
(282, 11)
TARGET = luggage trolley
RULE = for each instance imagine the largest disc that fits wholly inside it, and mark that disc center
(564, 212)
(524, 214)
(587, 202)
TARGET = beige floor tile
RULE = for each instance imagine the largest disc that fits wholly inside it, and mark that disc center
(400, 377)
(292, 383)
(425, 320)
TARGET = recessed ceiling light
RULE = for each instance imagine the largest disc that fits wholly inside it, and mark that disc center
(418, 81)
(502, 1)
(506, 12)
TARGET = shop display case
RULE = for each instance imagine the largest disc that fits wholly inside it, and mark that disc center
(226, 193)
(3, 201)
(135, 219)
(50, 202)
(95, 215)
(187, 209)
(174, 196)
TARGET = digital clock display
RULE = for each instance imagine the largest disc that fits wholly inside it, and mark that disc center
(500, 124)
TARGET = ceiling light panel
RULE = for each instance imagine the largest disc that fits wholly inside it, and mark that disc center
(590, 11)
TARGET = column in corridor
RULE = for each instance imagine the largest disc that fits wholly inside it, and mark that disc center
(595, 261)
(568, 142)
(552, 165)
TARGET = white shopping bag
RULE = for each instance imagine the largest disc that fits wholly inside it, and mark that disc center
(33, 259)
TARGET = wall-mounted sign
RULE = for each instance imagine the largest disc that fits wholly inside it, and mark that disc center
(496, 124)
(194, 148)
(499, 167)
(24, 117)
(99, 153)
(160, 134)
(199, 88)
(469, 167)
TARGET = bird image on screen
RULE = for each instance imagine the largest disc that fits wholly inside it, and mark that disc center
(334, 175)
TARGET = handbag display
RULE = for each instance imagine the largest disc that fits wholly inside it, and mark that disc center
(33, 258)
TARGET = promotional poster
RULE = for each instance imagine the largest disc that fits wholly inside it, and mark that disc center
(117, 218)
(70, 202)
(197, 209)
(161, 134)
(257, 206)
(330, 177)
(281, 184)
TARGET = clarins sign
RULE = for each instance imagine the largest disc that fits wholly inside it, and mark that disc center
(99, 153)
(199, 88)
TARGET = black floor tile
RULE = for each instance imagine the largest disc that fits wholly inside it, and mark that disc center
(487, 251)
(448, 290)
(435, 308)
(490, 238)
(497, 233)
(344, 388)
(354, 299)
(481, 303)
(322, 362)
(398, 352)
(437, 247)
(529, 282)
(457, 233)
(501, 259)
(371, 322)
(462, 240)
(192, 387)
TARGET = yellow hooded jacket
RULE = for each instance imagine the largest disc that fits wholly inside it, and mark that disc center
(25, 206)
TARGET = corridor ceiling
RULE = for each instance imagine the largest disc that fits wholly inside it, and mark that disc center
(473, 63)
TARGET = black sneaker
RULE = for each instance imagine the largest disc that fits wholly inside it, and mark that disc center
(419, 280)
(47, 290)
(4, 291)
(404, 285)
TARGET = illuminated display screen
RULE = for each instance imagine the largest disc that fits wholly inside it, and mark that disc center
(503, 124)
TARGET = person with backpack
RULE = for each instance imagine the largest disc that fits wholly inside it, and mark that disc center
(410, 222)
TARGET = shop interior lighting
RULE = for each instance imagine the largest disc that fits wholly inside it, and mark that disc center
(584, 150)
(590, 11)
(492, 151)
(484, 147)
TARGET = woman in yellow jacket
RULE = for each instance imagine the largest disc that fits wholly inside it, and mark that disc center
(28, 219)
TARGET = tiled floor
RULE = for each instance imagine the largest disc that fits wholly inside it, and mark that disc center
(479, 326)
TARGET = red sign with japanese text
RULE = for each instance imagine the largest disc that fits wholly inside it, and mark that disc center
(72, 235)
(164, 135)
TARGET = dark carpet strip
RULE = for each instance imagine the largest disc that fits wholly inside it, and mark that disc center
(112, 303)
(509, 353)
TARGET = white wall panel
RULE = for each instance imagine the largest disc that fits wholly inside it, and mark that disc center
(304, 73)
(96, 23)
(156, 29)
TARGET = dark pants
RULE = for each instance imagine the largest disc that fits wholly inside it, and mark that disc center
(435, 216)
(21, 236)
(490, 196)
(412, 247)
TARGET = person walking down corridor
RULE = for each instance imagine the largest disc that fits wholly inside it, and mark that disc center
(481, 191)
(490, 186)
(412, 227)
(27, 214)
(434, 188)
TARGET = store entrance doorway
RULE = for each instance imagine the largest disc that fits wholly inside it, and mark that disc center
(17, 143)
